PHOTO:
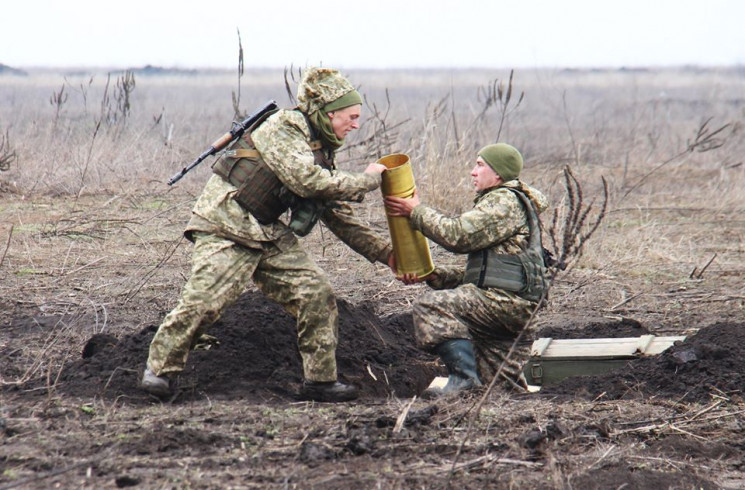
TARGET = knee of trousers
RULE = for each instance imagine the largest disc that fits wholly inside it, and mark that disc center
(426, 305)
(318, 294)
(434, 322)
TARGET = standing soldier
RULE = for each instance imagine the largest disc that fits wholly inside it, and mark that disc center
(286, 162)
(486, 304)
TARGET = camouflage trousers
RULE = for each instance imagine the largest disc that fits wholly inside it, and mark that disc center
(221, 270)
(490, 318)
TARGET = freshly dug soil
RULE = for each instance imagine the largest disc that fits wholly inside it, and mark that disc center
(255, 357)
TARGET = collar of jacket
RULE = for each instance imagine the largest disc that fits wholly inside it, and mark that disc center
(512, 183)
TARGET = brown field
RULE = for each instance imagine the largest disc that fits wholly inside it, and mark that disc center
(91, 259)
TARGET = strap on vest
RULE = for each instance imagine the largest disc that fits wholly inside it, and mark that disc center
(243, 153)
(252, 154)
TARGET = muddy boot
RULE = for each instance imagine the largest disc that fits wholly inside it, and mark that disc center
(460, 360)
(332, 391)
(156, 385)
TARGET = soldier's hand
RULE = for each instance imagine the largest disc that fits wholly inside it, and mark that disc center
(392, 262)
(401, 206)
(411, 278)
(375, 169)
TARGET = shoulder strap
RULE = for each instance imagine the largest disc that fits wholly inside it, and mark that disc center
(534, 241)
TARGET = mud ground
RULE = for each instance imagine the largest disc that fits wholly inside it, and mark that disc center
(81, 303)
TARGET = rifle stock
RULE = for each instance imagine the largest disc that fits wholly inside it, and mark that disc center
(223, 141)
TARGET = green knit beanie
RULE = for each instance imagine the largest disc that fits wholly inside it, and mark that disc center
(504, 159)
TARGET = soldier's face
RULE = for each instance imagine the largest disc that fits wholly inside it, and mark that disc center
(483, 176)
(345, 120)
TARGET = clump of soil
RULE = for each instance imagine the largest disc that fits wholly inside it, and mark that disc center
(711, 361)
(256, 357)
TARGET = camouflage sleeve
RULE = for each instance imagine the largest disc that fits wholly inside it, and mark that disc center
(283, 141)
(340, 219)
(446, 277)
(495, 217)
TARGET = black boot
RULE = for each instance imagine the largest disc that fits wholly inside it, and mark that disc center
(332, 391)
(458, 356)
(161, 386)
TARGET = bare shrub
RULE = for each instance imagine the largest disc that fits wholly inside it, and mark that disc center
(236, 96)
(7, 153)
(57, 100)
(117, 105)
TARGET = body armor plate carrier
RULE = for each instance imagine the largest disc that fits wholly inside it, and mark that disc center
(260, 192)
(523, 274)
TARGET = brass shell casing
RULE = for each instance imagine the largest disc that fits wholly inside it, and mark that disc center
(410, 247)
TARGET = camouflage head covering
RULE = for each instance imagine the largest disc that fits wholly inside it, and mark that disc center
(320, 86)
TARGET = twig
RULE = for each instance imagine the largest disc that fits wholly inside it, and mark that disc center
(704, 141)
(605, 454)
(678, 429)
(118, 368)
(707, 409)
(152, 272)
(87, 164)
(7, 246)
(627, 300)
(700, 274)
(377, 332)
(489, 458)
(402, 417)
(79, 269)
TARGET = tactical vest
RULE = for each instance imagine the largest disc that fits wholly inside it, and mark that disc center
(523, 274)
(260, 192)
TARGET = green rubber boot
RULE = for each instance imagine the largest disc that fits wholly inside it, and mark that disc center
(458, 356)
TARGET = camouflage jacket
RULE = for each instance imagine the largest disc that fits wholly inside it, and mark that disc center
(497, 221)
(284, 143)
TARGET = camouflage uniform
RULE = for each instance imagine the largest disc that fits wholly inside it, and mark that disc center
(490, 317)
(231, 248)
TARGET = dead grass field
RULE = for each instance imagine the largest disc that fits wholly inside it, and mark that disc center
(90, 245)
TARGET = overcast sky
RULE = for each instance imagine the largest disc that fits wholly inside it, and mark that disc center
(372, 33)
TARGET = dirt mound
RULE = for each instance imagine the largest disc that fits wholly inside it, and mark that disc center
(711, 361)
(595, 329)
(256, 357)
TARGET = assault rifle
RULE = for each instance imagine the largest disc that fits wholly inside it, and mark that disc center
(235, 132)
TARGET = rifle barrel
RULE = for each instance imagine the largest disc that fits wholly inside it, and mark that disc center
(183, 171)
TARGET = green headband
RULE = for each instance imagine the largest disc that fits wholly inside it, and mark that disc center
(346, 100)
